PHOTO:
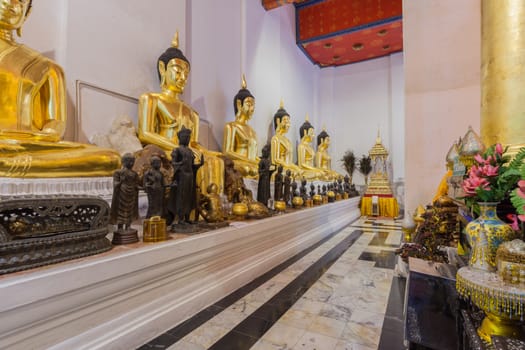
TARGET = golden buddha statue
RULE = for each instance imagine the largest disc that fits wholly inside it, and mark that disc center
(306, 153)
(322, 158)
(33, 112)
(162, 115)
(281, 146)
(240, 140)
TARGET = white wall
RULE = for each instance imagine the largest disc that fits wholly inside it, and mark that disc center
(442, 48)
(232, 37)
(358, 99)
(43, 30)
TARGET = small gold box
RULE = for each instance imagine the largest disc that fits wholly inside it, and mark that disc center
(154, 229)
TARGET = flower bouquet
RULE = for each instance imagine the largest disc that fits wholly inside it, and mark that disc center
(490, 180)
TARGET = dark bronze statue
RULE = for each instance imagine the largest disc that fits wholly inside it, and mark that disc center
(211, 205)
(278, 184)
(183, 196)
(124, 204)
(294, 191)
(287, 197)
(154, 186)
(236, 191)
(266, 170)
(346, 185)
(340, 188)
(312, 190)
(303, 190)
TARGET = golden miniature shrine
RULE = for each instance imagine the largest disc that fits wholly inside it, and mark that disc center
(378, 199)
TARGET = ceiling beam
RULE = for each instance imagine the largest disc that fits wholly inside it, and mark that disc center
(273, 4)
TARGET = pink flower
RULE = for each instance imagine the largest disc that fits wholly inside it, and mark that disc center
(475, 171)
(489, 170)
(521, 217)
(521, 188)
(499, 149)
(472, 183)
(478, 158)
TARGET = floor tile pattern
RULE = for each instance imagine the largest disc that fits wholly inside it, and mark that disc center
(339, 294)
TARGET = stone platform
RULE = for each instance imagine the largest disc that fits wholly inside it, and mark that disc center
(94, 186)
(123, 298)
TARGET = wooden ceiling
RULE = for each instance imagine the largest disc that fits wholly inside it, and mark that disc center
(339, 32)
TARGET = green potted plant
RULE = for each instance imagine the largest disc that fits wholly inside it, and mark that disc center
(365, 166)
(348, 161)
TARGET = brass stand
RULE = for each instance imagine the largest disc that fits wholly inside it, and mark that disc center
(503, 303)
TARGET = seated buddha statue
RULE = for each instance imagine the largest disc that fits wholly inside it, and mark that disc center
(239, 139)
(162, 115)
(322, 158)
(33, 112)
(306, 153)
(281, 146)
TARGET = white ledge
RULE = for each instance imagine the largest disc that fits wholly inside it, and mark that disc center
(123, 299)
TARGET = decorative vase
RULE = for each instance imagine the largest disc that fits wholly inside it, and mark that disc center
(485, 234)
(408, 227)
(240, 210)
(280, 206)
(297, 202)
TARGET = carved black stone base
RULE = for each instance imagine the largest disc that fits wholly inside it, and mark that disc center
(213, 225)
(128, 236)
(25, 254)
(43, 230)
(187, 228)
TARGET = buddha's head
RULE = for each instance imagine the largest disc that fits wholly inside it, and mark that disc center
(244, 102)
(13, 13)
(280, 169)
(128, 160)
(155, 162)
(266, 151)
(173, 68)
(306, 131)
(281, 119)
(323, 139)
(184, 136)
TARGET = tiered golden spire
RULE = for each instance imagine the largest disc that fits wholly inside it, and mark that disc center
(379, 183)
(175, 40)
(378, 149)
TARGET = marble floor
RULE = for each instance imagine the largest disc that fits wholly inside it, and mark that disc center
(339, 294)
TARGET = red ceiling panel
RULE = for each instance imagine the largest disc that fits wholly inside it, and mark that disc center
(337, 32)
(272, 4)
(360, 45)
(318, 18)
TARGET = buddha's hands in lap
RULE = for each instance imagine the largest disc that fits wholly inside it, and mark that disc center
(21, 135)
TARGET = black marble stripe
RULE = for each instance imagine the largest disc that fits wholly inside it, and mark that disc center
(251, 329)
(393, 324)
(180, 331)
(385, 259)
